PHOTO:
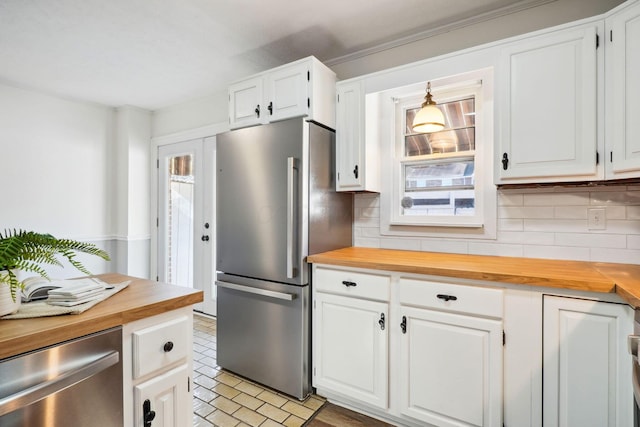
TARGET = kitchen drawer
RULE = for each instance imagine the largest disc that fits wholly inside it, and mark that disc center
(352, 283)
(475, 300)
(160, 345)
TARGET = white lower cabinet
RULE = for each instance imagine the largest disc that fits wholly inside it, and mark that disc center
(157, 368)
(411, 351)
(351, 339)
(163, 399)
(450, 368)
(586, 366)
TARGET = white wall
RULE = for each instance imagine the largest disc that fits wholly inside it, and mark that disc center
(191, 115)
(55, 157)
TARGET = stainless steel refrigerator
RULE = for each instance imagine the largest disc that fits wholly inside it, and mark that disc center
(276, 204)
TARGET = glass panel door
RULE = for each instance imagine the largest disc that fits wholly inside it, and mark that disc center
(185, 217)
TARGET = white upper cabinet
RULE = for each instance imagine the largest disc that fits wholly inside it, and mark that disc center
(623, 93)
(548, 120)
(301, 88)
(356, 156)
(245, 103)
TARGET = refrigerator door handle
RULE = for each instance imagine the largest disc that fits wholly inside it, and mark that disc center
(292, 167)
(257, 291)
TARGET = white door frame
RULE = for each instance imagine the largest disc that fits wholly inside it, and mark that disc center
(202, 133)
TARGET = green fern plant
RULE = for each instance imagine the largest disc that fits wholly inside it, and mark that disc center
(29, 251)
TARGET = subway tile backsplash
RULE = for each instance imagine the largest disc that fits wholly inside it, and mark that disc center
(549, 222)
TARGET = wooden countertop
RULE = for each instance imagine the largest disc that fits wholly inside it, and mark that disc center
(142, 298)
(623, 279)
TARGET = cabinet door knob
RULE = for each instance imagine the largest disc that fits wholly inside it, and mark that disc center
(257, 110)
(205, 238)
(270, 108)
(403, 325)
(147, 414)
(505, 161)
(355, 172)
(349, 284)
(168, 346)
(447, 297)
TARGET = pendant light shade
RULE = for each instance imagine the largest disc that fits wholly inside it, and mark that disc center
(429, 118)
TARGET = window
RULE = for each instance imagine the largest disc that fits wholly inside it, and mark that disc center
(438, 168)
(440, 183)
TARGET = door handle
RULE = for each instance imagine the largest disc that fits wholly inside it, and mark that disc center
(292, 167)
(256, 291)
(147, 414)
(40, 391)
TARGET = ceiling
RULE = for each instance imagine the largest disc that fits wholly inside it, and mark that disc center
(156, 53)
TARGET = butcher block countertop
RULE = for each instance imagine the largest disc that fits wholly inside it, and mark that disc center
(142, 298)
(623, 279)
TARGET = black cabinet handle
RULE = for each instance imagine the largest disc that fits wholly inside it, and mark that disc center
(205, 238)
(403, 325)
(505, 161)
(355, 172)
(381, 321)
(270, 108)
(349, 284)
(168, 346)
(147, 414)
(257, 110)
(447, 297)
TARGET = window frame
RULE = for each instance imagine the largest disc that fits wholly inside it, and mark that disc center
(478, 83)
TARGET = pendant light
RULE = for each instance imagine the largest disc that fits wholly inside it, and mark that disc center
(429, 118)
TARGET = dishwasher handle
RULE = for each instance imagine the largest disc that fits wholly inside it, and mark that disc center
(39, 391)
(256, 291)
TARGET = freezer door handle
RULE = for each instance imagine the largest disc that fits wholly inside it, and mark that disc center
(39, 391)
(256, 291)
(292, 166)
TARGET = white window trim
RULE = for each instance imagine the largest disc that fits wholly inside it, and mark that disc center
(481, 226)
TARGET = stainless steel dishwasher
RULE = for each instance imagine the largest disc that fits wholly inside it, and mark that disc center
(76, 383)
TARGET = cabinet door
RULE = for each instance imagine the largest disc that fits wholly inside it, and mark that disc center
(350, 137)
(623, 94)
(350, 348)
(451, 368)
(548, 126)
(245, 103)
(169, 398)
(586, 367)
(287, 92)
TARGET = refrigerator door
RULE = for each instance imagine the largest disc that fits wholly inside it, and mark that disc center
(259, 195)
(263, 332)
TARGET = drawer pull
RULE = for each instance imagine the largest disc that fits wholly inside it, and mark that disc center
(403, 325)
(168, 346)
(447, 297)
(349, 284)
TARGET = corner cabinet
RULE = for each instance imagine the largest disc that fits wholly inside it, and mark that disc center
(548, 120)
(301, 88)
(586, 367)
(623, 92)
(157, 354)
(357, 166)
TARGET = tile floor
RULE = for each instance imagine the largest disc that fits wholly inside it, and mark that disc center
(222, 399)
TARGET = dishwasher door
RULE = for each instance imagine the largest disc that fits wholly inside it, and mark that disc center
(77, 383)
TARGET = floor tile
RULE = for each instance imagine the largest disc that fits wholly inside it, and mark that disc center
(272, 398)
(225, 405)
(298, 410)
(250, 417)
(274, 413)
(293, 421)
(248, 401)
(220, 419)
